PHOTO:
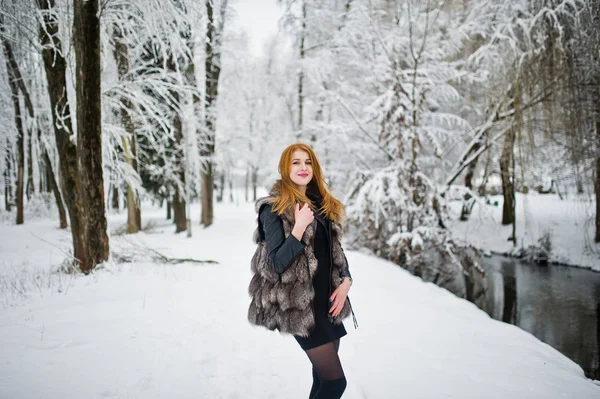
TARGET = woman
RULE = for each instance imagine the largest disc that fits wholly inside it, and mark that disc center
(301, 277)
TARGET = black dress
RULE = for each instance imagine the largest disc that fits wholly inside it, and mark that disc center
(283, 250)
(324, 330)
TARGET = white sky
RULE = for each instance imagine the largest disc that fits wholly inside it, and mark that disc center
(259, 18)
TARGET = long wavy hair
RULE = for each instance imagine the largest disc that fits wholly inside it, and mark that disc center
(287, 194)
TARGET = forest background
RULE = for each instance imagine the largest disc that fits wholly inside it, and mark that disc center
(411, 106)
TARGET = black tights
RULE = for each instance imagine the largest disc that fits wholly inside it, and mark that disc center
(329, 381)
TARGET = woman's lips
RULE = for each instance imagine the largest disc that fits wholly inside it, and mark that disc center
(303, 175)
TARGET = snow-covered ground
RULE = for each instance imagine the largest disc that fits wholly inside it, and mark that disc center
(569, 222)
(148, 330)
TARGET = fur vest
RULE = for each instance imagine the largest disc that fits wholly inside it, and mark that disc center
(285, 302)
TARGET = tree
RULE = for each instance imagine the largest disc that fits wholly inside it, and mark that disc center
(8, 196)
(86, 26)
(215, 25)
(129, 141)
(55, 66)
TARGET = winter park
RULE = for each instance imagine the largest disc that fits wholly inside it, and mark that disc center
(192, 192)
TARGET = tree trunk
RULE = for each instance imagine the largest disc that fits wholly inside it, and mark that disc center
(7, 204)
(86, 32)
(506, 163)
(467, 203)
(207, 187)
(30, 189)
(471, 170)
(179, 205)
(114, 196)
(486, 172)
(8, 178)
(597, 182)
(212, 66)
(56, 66)
(247, 184)
(51, 182)
(168, 209)
(179, 212)
(221, 191)
(43, 183)
(14, 88)
(254, 182)
(134, 219)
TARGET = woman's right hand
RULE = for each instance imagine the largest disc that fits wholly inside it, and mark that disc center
(303, 217)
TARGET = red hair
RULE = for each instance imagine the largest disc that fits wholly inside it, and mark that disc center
(288, 194)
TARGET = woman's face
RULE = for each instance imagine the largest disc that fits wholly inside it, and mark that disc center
(301, 171)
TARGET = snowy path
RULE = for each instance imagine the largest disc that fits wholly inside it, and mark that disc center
(180, 331)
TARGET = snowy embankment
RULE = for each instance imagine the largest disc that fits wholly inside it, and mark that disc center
(146, 330)
(568, 222)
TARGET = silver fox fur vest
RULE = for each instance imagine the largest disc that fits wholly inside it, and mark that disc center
(285, 302)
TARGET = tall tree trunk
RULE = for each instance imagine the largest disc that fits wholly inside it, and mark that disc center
(7, 177)
(189, 76)
(134, 218)
(86, 32)
(179, 205)
(137, 210)
(212, 72)
(30, 189)
(597, 182)
(14, 89)
(56, 67)
(506, 172)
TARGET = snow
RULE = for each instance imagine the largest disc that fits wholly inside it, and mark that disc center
(148, 330)
(570, 223)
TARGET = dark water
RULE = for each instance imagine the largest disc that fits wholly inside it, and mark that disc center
(559, 305)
